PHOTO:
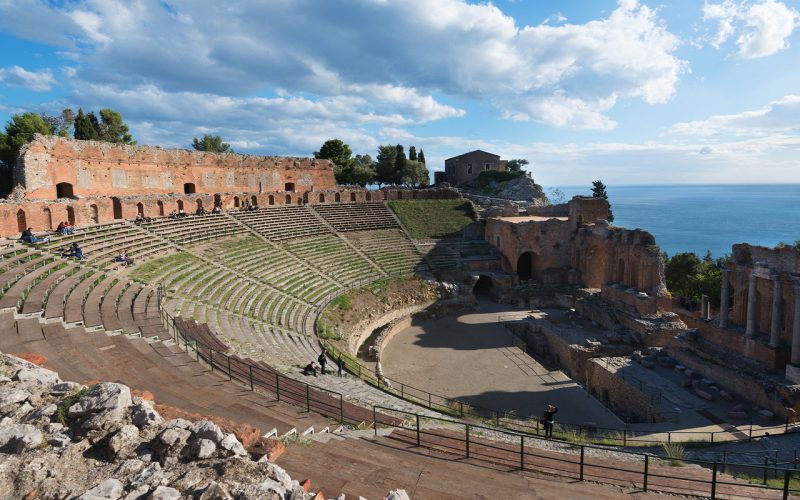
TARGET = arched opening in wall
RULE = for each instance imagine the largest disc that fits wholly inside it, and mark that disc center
(189, 188)
(117, 208)
(96, 213)
(199, 203)
(22, 221)
(321, 198)
(369, 196)
(180, 205)
(161, 208)
(299, 200)
(71, 215)
(483, 286)
(304, 198)
(217, 200)
(352, 197)
(620, 271)
(337, 198)
(64, 190)
(254, 200)
(271, 200)
(48, 218)
(288, 199)
(289, 187)
(260, 187)
(525, 266)
(140, 209)
(236, 202)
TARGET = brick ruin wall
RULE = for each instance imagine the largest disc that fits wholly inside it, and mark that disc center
(584, 242)
(111, 182)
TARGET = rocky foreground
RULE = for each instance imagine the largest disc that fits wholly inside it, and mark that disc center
(65, 440)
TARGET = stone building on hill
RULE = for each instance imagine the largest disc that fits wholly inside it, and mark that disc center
(463, 168)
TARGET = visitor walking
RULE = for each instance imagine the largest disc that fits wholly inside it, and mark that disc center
(340, 364)
(548, 420)
(322, 361)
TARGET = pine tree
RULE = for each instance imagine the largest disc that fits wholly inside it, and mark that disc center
(86, 127)
(599, 191)
(412, 153)
(384, 164)
(421, 156)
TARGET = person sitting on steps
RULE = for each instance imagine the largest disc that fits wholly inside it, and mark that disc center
(310, 369)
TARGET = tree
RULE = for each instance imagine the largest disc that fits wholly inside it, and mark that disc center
(87, 128)
(421, 156)
(113, 129)
(19, 131)
(62, 123)
(412, 153)
(363, 172)
(599, 191)
(384, 166)
(341, 155)
(557, 196)
(517, 164)
(399, 163)
(211, 144)
(689, 276)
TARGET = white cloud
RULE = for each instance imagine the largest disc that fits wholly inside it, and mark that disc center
(781, 116)
(39, 81)
(398, 52)
(764, 26)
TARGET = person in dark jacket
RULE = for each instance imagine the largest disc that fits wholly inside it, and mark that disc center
(548, 420)
(340, 364)
(322, 362)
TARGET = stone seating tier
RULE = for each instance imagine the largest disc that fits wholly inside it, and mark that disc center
(283, 222)
(357, 216)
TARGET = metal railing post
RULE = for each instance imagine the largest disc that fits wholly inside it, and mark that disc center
(766, 464)
(714, 481)
(646, 469)
(466, 427)
(308, 398)
(624, 437)
(250, 370)
(581, 474)
(375, 420)
(786, 475)
(522, 452)
(417, 415)
(211, 358)
(277, 386)
(230, 377)
(341, 409)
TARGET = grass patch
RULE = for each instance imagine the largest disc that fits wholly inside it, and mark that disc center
(150, 270)
(61, 413)
(675, 453)
(434, 219)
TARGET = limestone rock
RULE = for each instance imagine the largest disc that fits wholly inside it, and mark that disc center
(143, 414)
(172, 440)
(63, 388)
(204, 448)
(150, 475)
(397, 495)
(109, 489)
(102, 397)
(164, 493)
(19, 437)
(215, 491)
(205, 429)
(232, 445)
(124, 441)
(13, 395)
(35, 375)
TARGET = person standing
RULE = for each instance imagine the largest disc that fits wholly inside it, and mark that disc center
(548, 420)
(322, 361)
(340, 364)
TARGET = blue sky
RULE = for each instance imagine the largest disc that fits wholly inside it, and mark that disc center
(678, 92)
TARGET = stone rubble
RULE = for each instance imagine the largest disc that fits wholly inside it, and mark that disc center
(65, 440)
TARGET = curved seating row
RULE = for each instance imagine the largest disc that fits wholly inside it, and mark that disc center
(357, 216)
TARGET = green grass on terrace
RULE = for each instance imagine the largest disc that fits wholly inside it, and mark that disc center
(434, 218)
(150, 270)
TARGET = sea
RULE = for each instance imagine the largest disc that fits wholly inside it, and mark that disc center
(701, 218)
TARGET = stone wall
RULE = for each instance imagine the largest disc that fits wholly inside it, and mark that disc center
(93, 168)
(604, 384)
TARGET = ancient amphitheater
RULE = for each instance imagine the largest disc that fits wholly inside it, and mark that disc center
(220, 312)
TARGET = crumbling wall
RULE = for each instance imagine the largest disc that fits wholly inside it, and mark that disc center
(95, 168)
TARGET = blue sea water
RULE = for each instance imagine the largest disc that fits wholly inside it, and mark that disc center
(698, 218)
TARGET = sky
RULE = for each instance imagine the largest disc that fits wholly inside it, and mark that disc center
(631, 92)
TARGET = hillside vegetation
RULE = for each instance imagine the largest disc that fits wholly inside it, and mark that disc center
(434, 218)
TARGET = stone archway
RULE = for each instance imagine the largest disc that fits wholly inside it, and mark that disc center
(96, 213)
(71, 215)
(64, 190)
(140, 209)
(288, 199)
(22, 220)
(322, 198)
(352, 197)
(117, 208)
(48, 218)
(161, 208)
(526, 266)
(483, 286)
(271, 200)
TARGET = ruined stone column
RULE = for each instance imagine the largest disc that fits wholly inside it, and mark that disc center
(796, 328)
(775, 325)
(704, 306)
(724, 298)
(751, 330)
